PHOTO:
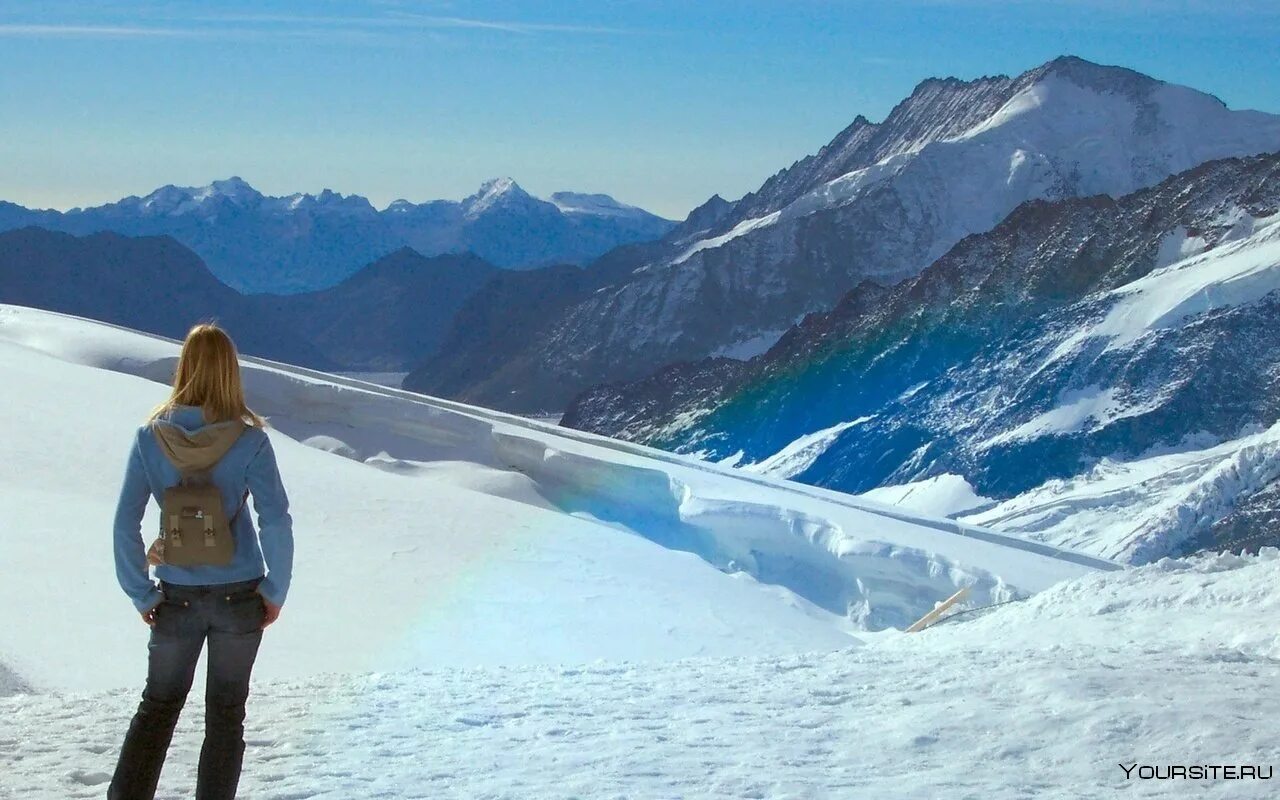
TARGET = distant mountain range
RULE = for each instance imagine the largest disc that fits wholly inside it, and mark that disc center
(302, 242)
(879, 203)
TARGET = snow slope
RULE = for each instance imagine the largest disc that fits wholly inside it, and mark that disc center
(432, 533)
(1160, 665)
(1242, 269)
(943, 495)
(457, 566)
(1138, 510)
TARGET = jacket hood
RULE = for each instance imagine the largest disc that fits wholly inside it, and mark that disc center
(198, 447)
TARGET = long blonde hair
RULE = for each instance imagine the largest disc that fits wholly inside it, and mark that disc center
(208, 375)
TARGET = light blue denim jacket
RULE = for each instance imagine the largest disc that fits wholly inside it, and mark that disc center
(249, 464)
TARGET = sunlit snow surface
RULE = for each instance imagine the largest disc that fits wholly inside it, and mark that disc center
(1172, 663)
(1241, 270)
(1133, 511)
(799, 455)
(942, 496)
(432, 533)
(485, 606)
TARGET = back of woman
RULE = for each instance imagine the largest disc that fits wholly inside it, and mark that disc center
(225, 595)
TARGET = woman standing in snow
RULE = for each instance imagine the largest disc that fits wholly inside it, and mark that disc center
(205, 428)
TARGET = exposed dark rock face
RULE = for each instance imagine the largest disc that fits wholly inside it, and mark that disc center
(616, 407)
(703, 219)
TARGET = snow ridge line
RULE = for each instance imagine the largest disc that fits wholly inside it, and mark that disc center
(631, 448)
(809, 555)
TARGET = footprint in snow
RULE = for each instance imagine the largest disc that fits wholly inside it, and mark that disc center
(88, 778)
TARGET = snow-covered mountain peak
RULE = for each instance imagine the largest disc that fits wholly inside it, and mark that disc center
(1114, 130)
(599, 205)
(272, 243)
(175, 200)
(495, 192)
(164, 200)
(327, 200)
(1099, 77)
(1067, 127)
(938, 108)
(499, 187)
(235, 189)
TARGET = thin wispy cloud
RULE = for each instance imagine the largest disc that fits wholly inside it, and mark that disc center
(293, 26)
(510, 27)
(147, 33)
(92, 31)
(409, 20)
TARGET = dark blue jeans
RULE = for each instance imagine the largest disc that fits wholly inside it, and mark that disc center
(230, 616)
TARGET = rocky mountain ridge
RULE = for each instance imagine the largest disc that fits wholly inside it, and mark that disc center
(1076, 333)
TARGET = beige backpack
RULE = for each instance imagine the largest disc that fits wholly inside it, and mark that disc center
(194, 530)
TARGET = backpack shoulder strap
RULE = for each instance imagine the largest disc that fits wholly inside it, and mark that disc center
(244, 500)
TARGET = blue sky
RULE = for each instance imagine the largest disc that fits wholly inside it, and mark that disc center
(659, 103)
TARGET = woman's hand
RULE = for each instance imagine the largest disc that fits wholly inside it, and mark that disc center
(273, 611)
(149, 616)
(155, 554)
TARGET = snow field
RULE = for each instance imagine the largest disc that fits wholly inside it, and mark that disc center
(1137, 511)
(1173, 663)
(1243, 269)
(944, 496)
(480, 537)
(393, 569)
(489, 607)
